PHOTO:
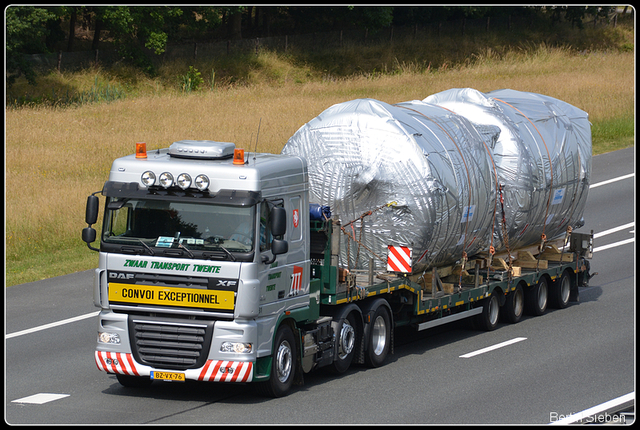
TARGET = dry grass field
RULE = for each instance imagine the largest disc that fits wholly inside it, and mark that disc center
(56, 157)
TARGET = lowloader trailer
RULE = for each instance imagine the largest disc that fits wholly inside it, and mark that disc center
(214, 266)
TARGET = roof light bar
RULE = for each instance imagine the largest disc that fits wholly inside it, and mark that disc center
(166, 179)
(184, 180)
(148, 178)
(202, 182)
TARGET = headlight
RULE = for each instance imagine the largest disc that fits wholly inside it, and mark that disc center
(202, 182)
(166, 179)
(184, 181)
(236, 347)
(148, 178)
(113, 338)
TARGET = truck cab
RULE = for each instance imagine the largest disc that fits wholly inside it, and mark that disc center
(202, 253)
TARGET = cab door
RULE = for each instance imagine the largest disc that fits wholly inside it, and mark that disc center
(272, 278)
(287, 277)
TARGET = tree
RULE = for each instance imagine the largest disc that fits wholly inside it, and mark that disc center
(235, 25)
(137, 27)
(73, 18)
(26, 28)
(371, 17)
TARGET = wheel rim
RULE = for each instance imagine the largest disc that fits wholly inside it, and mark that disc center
(379, 335)
(283, 361)
(542, 295)
(493, 310)
(565, 289)
(518, 302)
(347, 339)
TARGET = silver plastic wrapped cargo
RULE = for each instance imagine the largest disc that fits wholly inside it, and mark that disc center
(431, 164)
(442, 162)
(542, 158)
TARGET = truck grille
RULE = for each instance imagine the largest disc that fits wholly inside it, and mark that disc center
(169, 344)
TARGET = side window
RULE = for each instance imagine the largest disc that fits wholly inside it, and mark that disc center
(120, 221)
(265, 231)
(265, 226)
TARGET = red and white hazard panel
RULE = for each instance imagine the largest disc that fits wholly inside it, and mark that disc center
(213, 370)
(399, 259)
(226, 371)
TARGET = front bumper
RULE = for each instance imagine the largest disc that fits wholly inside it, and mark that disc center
(212, 371)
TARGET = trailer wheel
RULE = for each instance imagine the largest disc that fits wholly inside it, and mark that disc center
(537, 297)
(561, 291)
(514, 305)
(488, 318)
(130, 381)
(379, 338)
(346, 338)
(283, 364)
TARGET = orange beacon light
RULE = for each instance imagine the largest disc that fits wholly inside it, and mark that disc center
(238, 156)
(141, 150)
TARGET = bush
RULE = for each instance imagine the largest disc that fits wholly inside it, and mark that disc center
(191, 81)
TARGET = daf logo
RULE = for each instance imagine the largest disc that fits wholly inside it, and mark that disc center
(116, 275)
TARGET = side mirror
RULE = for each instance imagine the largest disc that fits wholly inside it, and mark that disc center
(278, 226)
(89, 235)
(91, 217)
(279, 246)
(93, 203)
(278, 221)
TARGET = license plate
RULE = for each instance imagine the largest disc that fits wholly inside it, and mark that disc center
(168, 376)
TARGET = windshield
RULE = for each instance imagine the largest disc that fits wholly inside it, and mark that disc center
(170, 224)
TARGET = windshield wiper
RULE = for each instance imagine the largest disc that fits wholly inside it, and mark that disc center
(180, 245)
(148, 247)
(233, 257)
(211, 255)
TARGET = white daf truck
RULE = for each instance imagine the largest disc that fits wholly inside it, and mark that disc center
(212, 269)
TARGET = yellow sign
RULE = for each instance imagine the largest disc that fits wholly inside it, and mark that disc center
(166, 296)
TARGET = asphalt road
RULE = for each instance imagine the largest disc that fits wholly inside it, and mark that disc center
(555, 365)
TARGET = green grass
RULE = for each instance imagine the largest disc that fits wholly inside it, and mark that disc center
(38, 266)
(612, 134)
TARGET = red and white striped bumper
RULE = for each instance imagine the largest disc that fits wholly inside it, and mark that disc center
(213, 370)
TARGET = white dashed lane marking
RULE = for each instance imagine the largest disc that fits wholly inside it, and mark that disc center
(40, 398)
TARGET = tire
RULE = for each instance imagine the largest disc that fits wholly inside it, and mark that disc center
(514, 305)
(560, 291)
(537, 298)
(130, 381)
(283, 364)
(488, 319)
(379, 338)
(346, 341)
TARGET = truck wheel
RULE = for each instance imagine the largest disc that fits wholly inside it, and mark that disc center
(536, 299)
(346, 337)
(379, 338)
(560, 291)
(133, 381)
(283, 364)
(488, 318)
(514, 305)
